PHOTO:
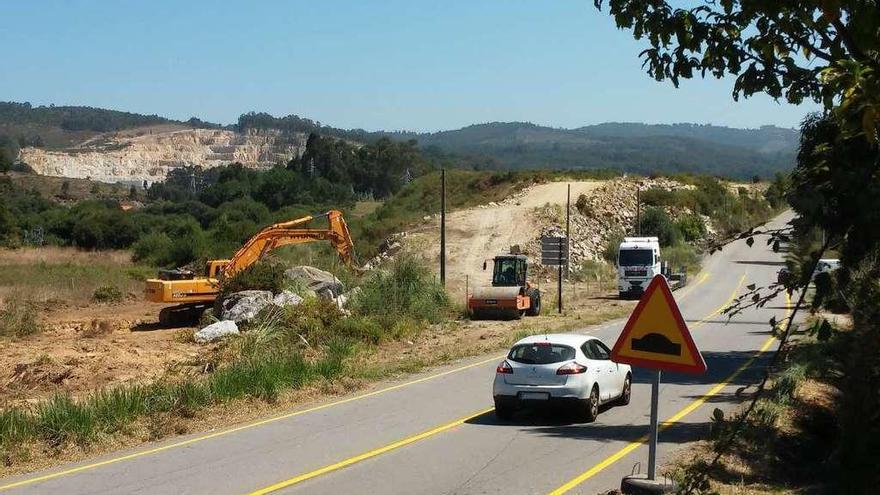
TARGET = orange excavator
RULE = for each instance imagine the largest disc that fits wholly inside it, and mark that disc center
(195, 294)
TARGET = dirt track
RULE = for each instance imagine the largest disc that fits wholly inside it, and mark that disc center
(474, 234)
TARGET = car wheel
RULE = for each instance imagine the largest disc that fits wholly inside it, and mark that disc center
(591, 410)
(503, 411)
(626, 394)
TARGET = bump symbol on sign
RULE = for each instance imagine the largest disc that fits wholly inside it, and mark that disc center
(656, 343)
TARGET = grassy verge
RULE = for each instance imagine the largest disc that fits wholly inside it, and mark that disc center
(786, 443)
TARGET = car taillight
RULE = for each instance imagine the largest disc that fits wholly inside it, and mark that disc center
(504, 367)
(571, 369)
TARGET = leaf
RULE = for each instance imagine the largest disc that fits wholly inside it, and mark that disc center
(718, 415)
(773, 322)
(824, 331)
(750, 241)
(776, 246)
(751, 286)
(756, 298)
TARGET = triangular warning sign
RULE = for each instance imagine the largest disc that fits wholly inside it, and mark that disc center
(656, 336)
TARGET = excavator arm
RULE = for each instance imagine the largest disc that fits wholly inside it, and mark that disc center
(294, 232)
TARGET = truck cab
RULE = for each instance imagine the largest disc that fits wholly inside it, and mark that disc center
(638, 261)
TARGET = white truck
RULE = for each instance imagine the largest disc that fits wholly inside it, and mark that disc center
(638, 261)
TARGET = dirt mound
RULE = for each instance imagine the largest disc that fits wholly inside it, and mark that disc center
(475, 234)
(39, 373)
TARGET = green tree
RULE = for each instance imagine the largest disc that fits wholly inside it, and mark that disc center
(8, 152)
(820, 50)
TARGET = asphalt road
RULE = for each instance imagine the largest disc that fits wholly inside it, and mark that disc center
(436, 433)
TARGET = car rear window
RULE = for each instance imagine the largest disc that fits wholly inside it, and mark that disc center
(541, 353)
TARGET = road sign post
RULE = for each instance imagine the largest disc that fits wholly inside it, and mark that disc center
(655, 425)
(656, 337)
(554, 252)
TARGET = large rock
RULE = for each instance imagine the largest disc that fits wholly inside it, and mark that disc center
(216, 331)
(286, 298)
(244, 306)
(325, 284)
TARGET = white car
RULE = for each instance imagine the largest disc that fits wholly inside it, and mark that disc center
(826, 265)
(565, 368)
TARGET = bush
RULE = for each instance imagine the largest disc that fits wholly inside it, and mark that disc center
(681, 255)
(656, 222)
(267, 274)
(612, 245)
(19, 318)
(107, 294)
(691, 227)
(583, 205)
(407, 289)
(153, 248)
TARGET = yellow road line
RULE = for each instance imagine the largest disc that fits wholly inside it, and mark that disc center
(672, 420)
(696, 284)
(238, 428)
(209, 436)
(721, 308)
(366, 455)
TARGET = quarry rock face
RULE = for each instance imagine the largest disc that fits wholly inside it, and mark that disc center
(149, 157)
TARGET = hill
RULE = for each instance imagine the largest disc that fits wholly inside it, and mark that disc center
(631, 147)
(103, 144)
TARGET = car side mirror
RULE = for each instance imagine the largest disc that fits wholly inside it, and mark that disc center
(484, 265)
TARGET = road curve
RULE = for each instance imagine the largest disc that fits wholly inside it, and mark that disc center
(436, 433)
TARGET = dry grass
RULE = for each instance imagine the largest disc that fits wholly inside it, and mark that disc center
(66, 275)
(61, 255)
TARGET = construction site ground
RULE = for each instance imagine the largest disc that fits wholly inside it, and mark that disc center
(86, 345)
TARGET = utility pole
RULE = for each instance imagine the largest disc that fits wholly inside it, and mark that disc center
(638, 211)
(568, 233)
(443, 227)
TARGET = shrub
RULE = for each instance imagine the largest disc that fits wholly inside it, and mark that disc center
(681, 255)
(407, 289)
(267, 274)
(583, 205)
(107, 294)
(612, 245)
(19, 318)
(153, 248)
(656, 222)
(691, 227)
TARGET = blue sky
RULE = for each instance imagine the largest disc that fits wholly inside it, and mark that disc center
(391, 65)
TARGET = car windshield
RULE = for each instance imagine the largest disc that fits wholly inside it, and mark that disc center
(636, 257)
(541, 353)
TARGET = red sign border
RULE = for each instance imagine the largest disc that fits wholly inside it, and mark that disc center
(659, 282)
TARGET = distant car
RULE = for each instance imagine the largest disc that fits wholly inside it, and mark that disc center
(826, 265)
(560, 368)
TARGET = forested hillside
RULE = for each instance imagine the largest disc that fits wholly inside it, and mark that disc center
(632, 147)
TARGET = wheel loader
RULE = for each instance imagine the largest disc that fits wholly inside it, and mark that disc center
(511, 295)
(194, 294)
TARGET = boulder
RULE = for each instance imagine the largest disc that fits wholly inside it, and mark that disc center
(243, 306)
(216, 331)
(286, 298)
(325, 284)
